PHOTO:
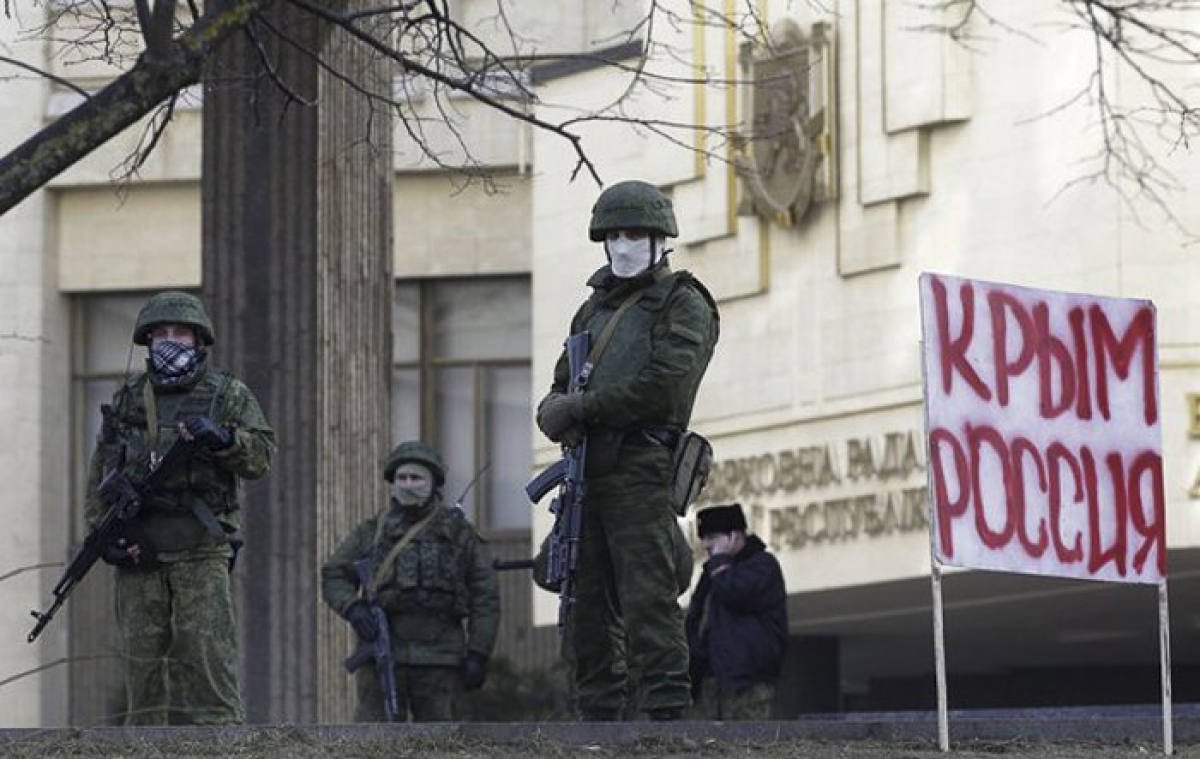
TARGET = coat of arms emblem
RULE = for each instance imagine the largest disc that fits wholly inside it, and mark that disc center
(787, 160)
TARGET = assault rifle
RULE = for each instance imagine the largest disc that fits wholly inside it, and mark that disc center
(125, 499)
(379, 650)
(567, 506)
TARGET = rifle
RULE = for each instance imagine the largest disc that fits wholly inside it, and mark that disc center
(379, 650)
(567, 506)
(125, 500)
(502, 565)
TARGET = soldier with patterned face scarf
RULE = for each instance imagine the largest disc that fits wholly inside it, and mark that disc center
(174, 606)
(433, 577)
(636, 403)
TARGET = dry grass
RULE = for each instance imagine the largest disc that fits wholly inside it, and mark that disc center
(305, 744)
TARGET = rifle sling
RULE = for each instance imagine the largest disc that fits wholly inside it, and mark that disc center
(598, 349)
(386, 565)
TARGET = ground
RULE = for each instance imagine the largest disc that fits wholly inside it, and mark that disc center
(303, 744)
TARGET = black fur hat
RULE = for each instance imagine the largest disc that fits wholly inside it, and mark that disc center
(720, 519)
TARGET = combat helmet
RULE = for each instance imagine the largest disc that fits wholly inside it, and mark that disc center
(418, 452)
(173, 307)
(632, 205)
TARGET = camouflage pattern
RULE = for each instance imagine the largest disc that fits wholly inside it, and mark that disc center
(211, 477)
(628, 564)
(430, 694)
(173, 307)
(632, 205)
(179, 638)
(420, 453)
(182, 608)
(753, 704)
(441, 594)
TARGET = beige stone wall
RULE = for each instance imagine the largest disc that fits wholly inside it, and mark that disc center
(445, 227)
(34, 409)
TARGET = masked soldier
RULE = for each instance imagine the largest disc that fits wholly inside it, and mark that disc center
(433, 576)
(174, 607)
(652, 332)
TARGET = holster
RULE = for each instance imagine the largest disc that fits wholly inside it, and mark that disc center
(693, 462)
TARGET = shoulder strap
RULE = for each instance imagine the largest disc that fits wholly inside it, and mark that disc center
(598, 348)
(385, 566)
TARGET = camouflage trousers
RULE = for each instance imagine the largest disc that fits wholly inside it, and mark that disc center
(180, 644)
(626, 581)
(716, 703)
(430, 694)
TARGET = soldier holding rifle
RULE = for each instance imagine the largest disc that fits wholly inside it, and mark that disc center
(651, 333)
(418, 576)
(173, 445)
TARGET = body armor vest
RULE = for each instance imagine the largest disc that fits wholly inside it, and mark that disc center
(189, 506)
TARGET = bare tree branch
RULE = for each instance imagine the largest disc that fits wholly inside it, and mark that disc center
(122, 103)
(162, 25)
(66, 83)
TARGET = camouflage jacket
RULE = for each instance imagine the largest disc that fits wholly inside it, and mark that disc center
(125, 441)
(440, 580)
(650, 371)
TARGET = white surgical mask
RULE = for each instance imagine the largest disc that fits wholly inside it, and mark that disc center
(630, 257)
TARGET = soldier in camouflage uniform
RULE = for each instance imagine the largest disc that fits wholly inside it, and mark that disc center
(637, 402)
(433, 578)
(173, 602)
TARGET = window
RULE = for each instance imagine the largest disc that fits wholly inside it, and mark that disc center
(461, 380)
(104, 357)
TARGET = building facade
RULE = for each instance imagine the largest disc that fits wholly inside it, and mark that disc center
(818, 163)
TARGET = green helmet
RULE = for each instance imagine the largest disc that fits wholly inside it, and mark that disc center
(173, 307)
(418, 452)
(632, 205)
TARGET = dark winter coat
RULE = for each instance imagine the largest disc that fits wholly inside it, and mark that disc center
(745, 636)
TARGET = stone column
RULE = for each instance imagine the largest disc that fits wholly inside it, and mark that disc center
(297, 271)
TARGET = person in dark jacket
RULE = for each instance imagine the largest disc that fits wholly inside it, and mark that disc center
(736, 621)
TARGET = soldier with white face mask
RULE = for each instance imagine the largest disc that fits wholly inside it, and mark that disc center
(636, 403)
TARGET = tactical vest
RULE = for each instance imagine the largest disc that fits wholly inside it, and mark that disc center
(428, 575)
(196, 506)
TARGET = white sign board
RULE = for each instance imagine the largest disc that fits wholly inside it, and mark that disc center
(1045, 450)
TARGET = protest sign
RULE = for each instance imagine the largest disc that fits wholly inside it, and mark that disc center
(1042, 412)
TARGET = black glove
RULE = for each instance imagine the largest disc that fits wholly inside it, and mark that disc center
(118, 556)
(359, 615)
(208, 433)
(474, 670)
(126, 555)
(559, 416)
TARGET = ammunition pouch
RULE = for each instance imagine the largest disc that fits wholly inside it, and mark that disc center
(692, 464)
